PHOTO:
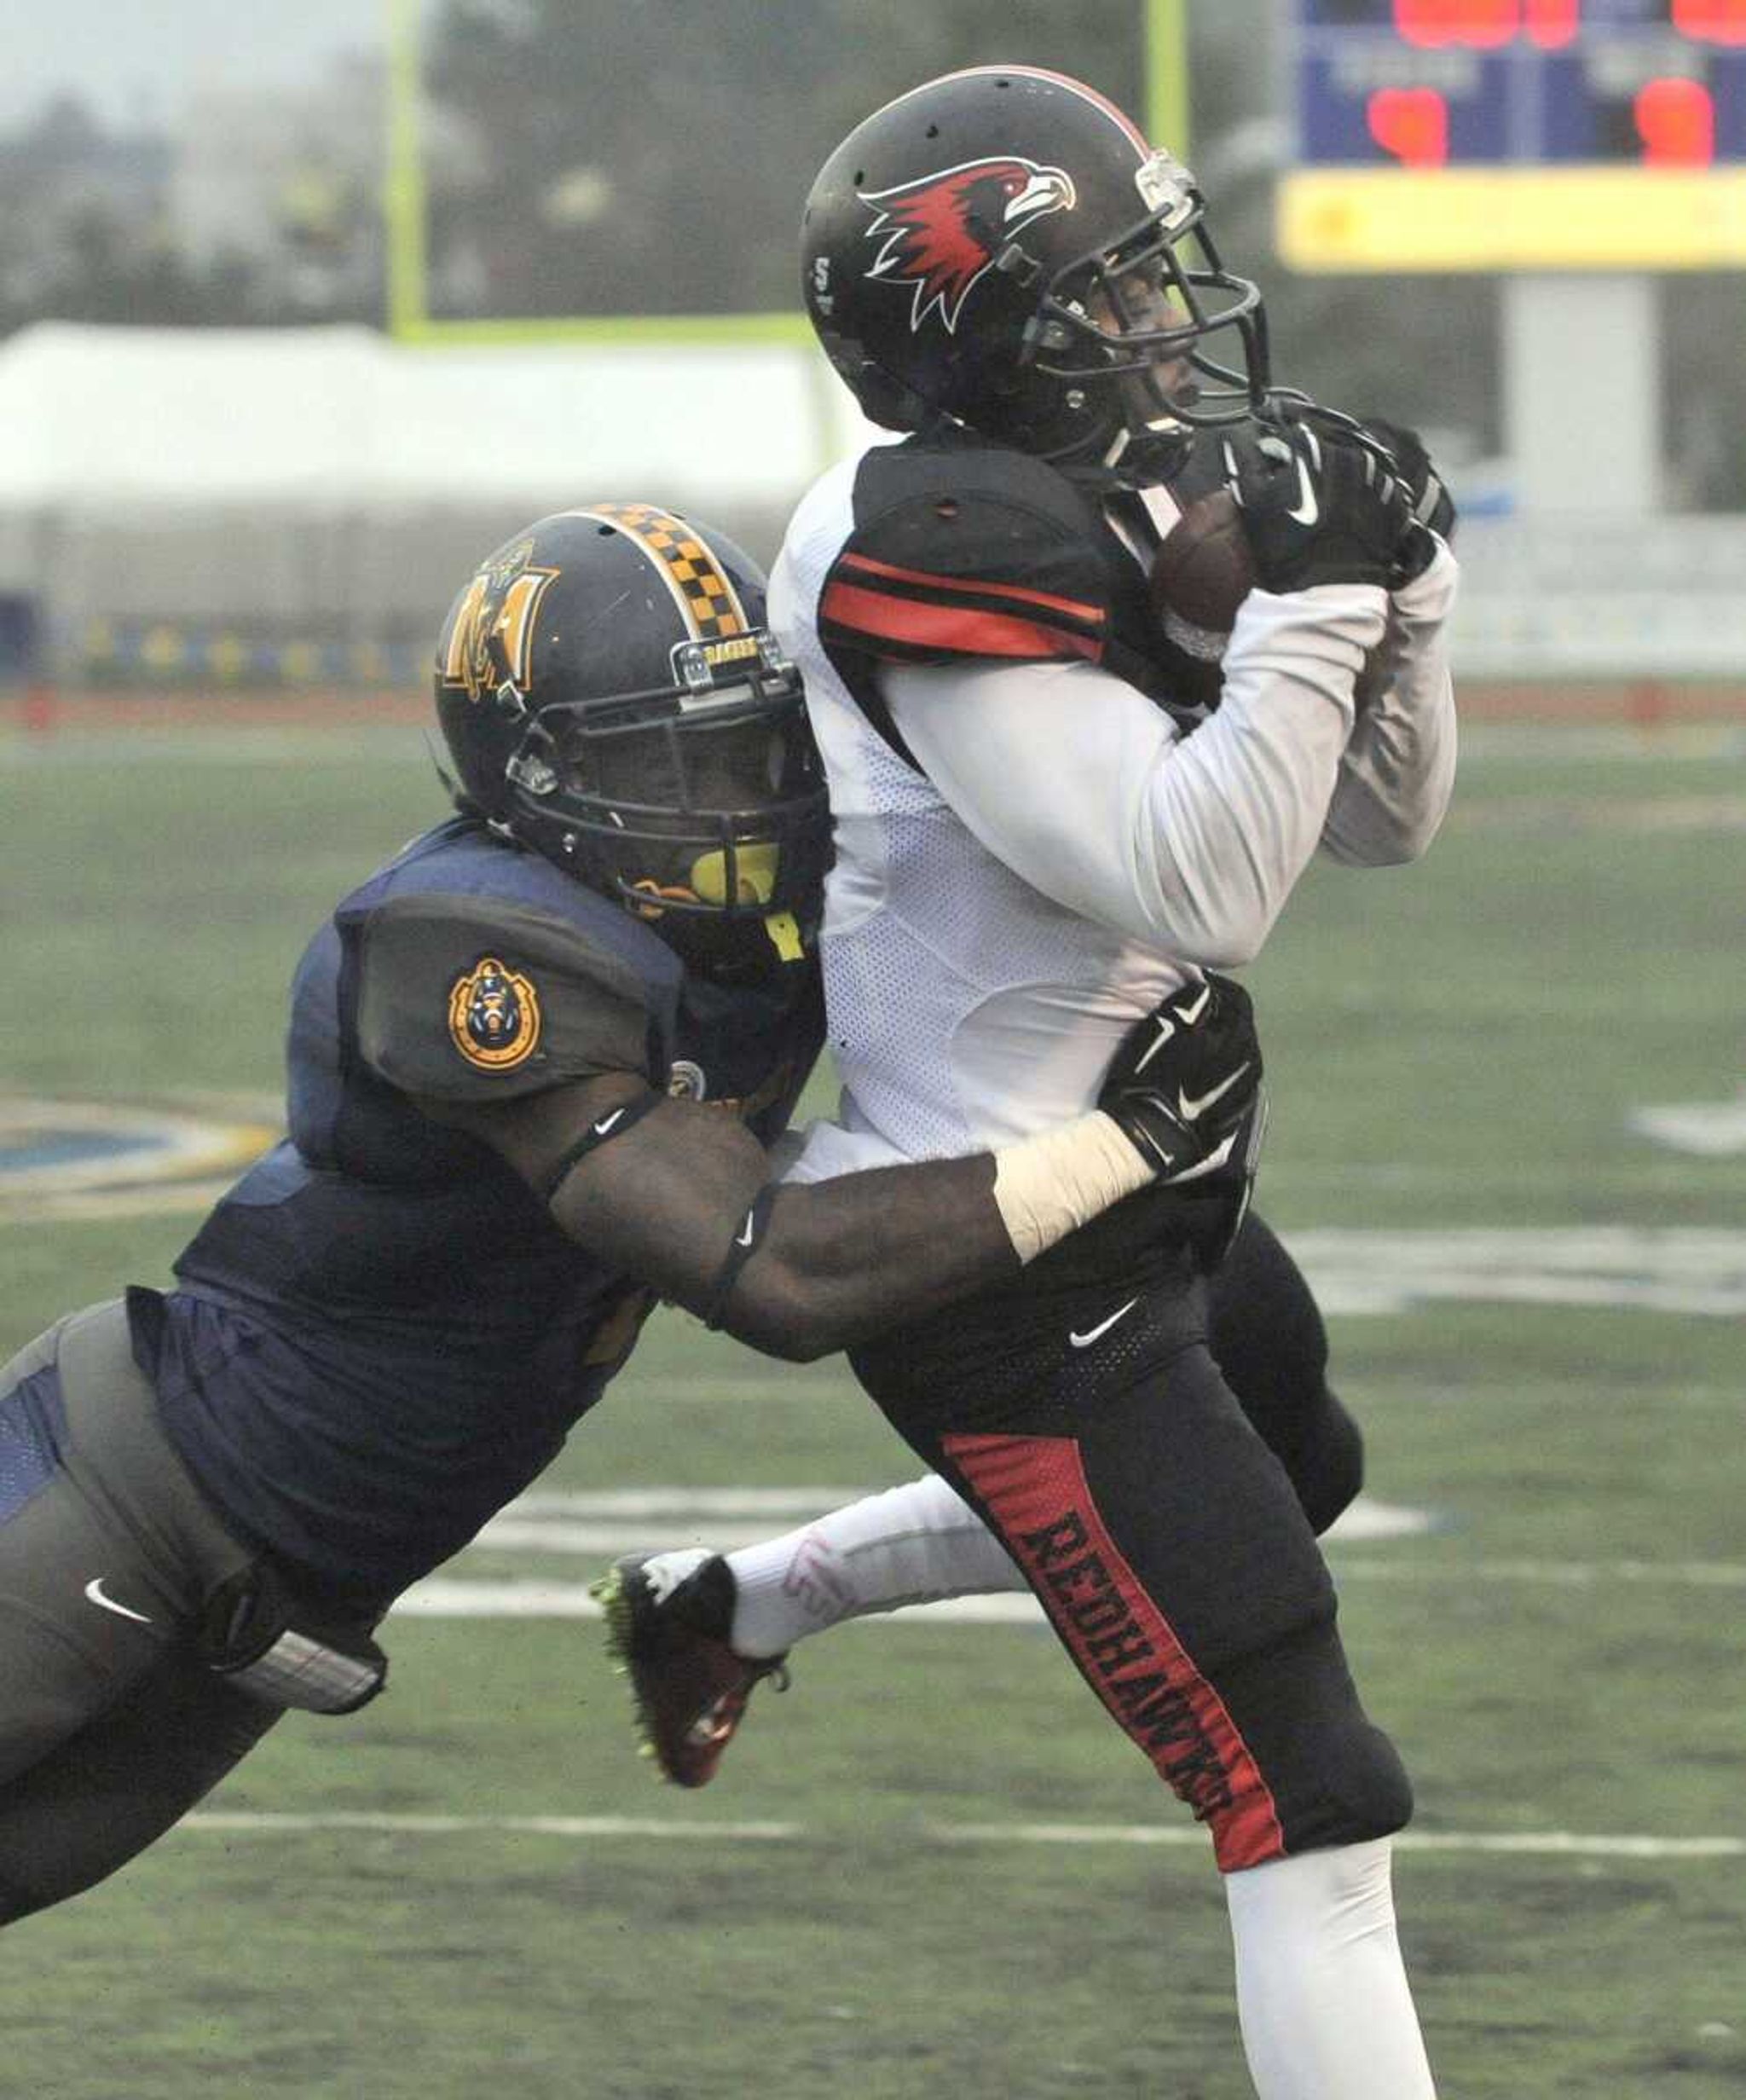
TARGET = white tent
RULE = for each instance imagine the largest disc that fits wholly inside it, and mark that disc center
(328, 478)
(343, 416)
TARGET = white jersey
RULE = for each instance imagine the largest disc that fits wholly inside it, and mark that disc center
(1067, 854)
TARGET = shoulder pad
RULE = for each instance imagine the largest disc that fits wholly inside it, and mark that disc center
(481, 998)
(964, 553)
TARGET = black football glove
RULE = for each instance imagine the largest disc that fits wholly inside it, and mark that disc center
(1323, 502)
(1432, 504)
(1185, 1087)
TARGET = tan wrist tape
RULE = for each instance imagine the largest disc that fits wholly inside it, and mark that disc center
(1049, 1185)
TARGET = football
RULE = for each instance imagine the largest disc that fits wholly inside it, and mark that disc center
(1203, 572)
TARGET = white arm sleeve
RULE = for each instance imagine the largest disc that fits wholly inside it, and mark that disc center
(1084, 787)
(1395, 781)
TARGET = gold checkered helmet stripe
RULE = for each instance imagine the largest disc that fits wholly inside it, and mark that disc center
(709, 602)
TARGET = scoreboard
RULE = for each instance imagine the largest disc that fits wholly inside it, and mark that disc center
(1516, 135)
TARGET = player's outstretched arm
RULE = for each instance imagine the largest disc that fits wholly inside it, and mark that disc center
(675, 1194)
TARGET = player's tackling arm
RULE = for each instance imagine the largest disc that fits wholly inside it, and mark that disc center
(668, 1201)
(675, 1194)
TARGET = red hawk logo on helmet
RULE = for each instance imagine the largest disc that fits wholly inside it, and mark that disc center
(941, 234)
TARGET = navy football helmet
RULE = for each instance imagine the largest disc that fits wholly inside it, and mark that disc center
(1001, 249)
(612, 699)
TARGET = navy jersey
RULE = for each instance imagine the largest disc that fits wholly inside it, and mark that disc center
(380, 1336)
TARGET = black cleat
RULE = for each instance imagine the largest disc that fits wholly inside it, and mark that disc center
(668, 1617)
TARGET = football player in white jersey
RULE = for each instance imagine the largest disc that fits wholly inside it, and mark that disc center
(1038, 839)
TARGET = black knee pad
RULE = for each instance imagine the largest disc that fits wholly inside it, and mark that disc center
(1366, 1791)
(1334, 1778)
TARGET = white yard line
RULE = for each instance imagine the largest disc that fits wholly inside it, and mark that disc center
(1558, 1844)
(1567, 1844)
(561, 1523)
(450, 1597)
(249, 1823)
(598, 1526)
(1559, 1574)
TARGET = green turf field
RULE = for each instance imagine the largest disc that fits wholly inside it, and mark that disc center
(933, 1867)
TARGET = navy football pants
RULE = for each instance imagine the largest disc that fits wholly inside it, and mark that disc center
(111, 1727)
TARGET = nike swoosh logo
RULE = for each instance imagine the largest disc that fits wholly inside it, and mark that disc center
(1307, 508)
(1097, 1334)
(1166, 1029)
(1187, 1014)
(1209, 1165)
(1191, 1107)
(94, 1591)
(1232, 474)
(744, 1236)
(606, 1122)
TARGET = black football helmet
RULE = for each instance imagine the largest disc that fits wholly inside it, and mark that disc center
(1001, 248)
(612, 699)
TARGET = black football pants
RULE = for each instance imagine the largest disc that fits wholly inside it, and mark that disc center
(1088, 1424)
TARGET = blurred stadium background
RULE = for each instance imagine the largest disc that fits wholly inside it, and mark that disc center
(297, 317)
(280, 353)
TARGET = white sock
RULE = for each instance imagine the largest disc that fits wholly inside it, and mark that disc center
(1325, 2009)
(911, 1544)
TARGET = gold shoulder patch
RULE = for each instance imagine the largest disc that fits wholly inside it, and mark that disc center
(494, 1015)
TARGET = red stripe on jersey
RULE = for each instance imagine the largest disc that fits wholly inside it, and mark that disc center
(866, 565)
(1035, 1489)
(961, 629)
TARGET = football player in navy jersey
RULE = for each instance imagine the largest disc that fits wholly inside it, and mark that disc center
(533, 1066)
(1048, 819)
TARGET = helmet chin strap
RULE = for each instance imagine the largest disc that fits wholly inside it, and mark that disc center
(783, 932)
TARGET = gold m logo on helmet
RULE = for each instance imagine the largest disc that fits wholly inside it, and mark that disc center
(490, 640)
